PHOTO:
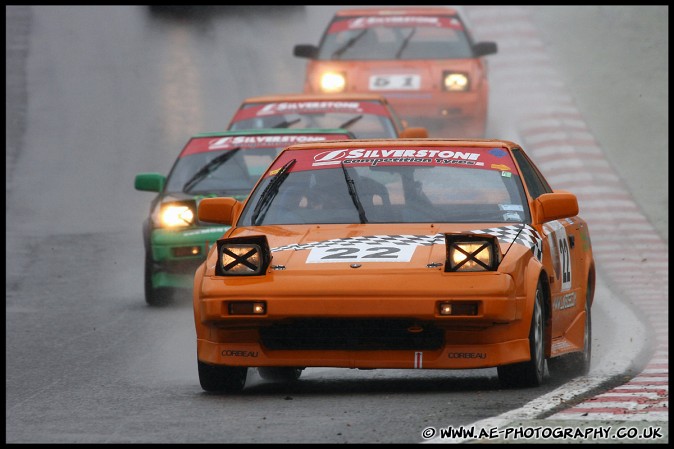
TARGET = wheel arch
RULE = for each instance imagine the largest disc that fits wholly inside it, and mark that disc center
(544, 281)
(201, 330)
(591, 283)
(537, 275)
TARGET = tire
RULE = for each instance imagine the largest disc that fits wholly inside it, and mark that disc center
(577, 363)
(222, 379)
(280, 373)
(532, 372)
(154, 296)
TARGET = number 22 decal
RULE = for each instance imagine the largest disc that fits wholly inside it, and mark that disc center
(565, 259)
(559, 248)
(348, 253)
(361, 253)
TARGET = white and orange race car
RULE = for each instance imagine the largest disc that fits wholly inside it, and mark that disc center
(396, 253)
(422, 59)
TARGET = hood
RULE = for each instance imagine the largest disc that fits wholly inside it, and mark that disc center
(171, 197)
(375, 246)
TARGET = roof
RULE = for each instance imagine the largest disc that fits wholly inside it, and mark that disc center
(388, 11)
(316, 97)
(274, 131)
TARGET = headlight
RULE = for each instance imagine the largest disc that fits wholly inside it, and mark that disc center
(176, 215)
(455, 82)
(333, 82)
(244, 256)
(472, 252)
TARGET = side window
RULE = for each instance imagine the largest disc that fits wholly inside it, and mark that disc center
(535, 182)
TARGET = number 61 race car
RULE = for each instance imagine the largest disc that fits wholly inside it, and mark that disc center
(396, 253)
(422, 59)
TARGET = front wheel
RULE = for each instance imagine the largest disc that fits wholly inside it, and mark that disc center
(576, 363)
(154, 296)
(531, 372)
(222, 379)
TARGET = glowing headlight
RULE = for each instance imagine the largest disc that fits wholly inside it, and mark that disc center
(241, 259)
(332, 82)
(246, 256)
(172, 216)
(471, 253)
(455, 82)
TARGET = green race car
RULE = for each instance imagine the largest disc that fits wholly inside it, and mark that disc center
(210, 165)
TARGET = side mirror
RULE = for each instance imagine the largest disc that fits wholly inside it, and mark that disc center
(484, 48)
(219, 210)
(556, 205)
(413, 133)
(150, 182)
(305, 51)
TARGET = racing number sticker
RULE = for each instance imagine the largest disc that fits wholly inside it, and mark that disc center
(390, 82)
(361, 252)
(561, 257)
(565, 260)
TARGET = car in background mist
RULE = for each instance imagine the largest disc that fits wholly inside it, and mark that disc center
(367, 116)
(422, 59)
(209, 165)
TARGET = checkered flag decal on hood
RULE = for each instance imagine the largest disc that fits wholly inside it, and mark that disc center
(522, 234)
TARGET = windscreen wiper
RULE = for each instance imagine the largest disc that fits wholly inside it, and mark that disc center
(348, 44)
(350, 122)
(354, 196)
(209, 168)
(287, 123)
(270, 192)
(405, 42)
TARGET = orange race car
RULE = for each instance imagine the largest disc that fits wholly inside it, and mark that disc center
(367, 116)
(396, 253)
(423, 59)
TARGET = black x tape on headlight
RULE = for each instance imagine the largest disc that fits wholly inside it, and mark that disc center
(471, 252)
(243, 256)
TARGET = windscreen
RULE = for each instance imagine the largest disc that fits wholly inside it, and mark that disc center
(231, 165)
(406, 185)
(365, 119)
(401, 37)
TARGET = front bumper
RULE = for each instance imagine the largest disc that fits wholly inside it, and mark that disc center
(378, 328)
(176, 254)
(465, 112)
(450, 356)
